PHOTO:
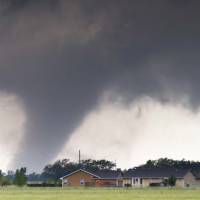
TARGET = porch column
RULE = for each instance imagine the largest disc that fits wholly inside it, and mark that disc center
(132, 182)
(62, 183)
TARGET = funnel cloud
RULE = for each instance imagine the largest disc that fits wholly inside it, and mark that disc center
(60, 57)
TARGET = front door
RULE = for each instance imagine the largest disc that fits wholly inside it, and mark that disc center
(136, 182)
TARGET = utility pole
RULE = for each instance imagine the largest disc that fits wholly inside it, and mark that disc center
(115, 164)
(79, 156)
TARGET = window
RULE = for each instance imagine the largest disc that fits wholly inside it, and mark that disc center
(82, 182)
(65, 181)
(140, 181)
(135, 181)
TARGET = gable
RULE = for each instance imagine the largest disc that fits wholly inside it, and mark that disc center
(189, 177)
(80, 171)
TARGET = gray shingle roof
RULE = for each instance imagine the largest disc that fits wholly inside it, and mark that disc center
(107, 174)
(99, 174)
(155, 173)
(197, 175)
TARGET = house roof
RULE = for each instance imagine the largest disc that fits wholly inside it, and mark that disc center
(98, 174)
(197, 175)
(67, 175)
(155, 173)
(108, 174)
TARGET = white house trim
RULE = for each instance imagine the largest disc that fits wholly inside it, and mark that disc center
(78, 171)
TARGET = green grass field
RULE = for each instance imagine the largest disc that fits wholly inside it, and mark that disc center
(98, 194)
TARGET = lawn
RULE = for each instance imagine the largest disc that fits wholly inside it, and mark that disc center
(97, 194)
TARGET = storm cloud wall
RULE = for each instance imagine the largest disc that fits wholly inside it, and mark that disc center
(59, 57)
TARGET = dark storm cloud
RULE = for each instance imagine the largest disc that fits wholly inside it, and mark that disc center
(59, 56)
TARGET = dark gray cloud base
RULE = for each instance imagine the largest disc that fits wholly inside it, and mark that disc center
(59, 56)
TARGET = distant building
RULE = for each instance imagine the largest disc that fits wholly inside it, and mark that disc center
(99, 178)
(140, 177)
(35, 183)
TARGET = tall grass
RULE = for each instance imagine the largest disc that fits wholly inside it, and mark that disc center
(97, 194)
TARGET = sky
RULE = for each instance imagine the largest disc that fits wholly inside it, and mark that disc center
(116, 79)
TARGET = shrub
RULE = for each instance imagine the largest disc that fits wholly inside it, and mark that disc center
(172, 181)
(127, 185)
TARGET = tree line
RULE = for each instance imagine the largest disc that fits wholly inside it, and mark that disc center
(52, 172)
(194, 166)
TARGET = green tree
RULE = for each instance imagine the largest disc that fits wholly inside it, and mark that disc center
(20, 177)
(170, 163)
(5, 181)
(172, 181)
(63, 167)
(97, 164)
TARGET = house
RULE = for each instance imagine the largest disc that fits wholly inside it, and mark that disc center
(141, 177)
(96, 178)
(35, 183)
